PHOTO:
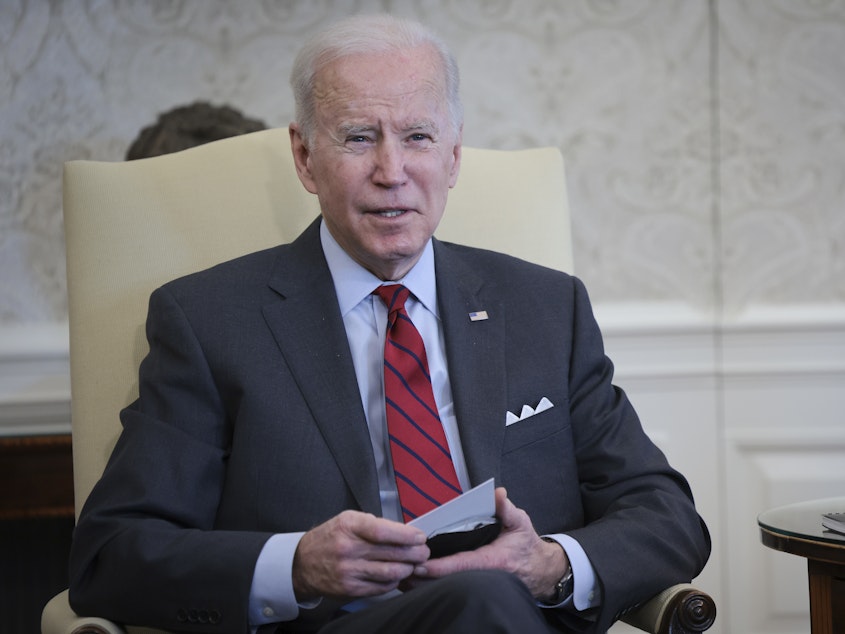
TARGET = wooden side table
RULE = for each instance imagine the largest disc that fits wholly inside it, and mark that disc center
(797, 529)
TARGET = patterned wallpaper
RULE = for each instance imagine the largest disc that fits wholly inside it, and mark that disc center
(704, 140)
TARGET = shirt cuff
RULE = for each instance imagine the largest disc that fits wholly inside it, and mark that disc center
(586, 593)
(271, 597)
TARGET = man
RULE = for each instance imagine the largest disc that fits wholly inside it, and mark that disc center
(255, 484)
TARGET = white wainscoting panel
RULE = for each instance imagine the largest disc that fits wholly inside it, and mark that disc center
(784, 442)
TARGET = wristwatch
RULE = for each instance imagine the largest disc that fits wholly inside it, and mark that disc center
(563, 588)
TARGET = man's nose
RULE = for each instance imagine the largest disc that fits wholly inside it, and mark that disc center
(390, 164)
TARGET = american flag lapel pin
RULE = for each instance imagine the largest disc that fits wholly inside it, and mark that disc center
(480, 315)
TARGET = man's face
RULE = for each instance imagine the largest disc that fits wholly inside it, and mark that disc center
(383, 155)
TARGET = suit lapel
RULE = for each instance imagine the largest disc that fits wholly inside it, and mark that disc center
(476, 358)
(308, 328)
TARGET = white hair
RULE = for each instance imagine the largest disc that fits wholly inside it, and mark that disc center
(366, 34)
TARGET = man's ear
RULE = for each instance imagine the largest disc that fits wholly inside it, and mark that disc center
(301, 158)
(456, 159)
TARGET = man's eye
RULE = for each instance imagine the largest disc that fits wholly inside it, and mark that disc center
(358, 138)
(420, 139)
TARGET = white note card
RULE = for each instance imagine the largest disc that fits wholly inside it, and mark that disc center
(465, 512)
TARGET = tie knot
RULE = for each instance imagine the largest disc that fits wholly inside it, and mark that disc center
(394, 296)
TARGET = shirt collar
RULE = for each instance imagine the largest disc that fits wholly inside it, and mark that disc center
(353, 283)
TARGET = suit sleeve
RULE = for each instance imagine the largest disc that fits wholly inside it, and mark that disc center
(641, 530)
(144, 551)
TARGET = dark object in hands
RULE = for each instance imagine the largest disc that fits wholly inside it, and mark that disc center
(450, 543)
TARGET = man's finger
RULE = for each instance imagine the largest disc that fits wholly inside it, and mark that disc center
(378, 530)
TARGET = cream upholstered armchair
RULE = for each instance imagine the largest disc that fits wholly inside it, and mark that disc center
(132, 226)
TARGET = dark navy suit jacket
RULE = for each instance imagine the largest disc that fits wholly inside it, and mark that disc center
(249, 422)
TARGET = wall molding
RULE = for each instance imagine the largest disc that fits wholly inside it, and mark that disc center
(658, 342)
(793, 438)
(34, 380)
(671, 341)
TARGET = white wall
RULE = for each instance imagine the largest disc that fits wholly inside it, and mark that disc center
(704, 139)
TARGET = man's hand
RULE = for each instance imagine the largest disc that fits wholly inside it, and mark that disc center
(356, 554)
(517, 549)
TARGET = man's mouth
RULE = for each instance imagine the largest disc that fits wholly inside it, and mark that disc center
(390, 213)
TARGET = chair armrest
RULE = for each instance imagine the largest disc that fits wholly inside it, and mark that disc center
(680, 609)
(57, 617)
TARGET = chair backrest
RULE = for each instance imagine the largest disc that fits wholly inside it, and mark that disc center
(132, 226)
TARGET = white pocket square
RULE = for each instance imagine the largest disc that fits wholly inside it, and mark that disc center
(528, 411)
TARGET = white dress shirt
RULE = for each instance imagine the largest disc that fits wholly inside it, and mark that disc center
(365, 318)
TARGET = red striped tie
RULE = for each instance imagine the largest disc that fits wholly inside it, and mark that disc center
(425, 474)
